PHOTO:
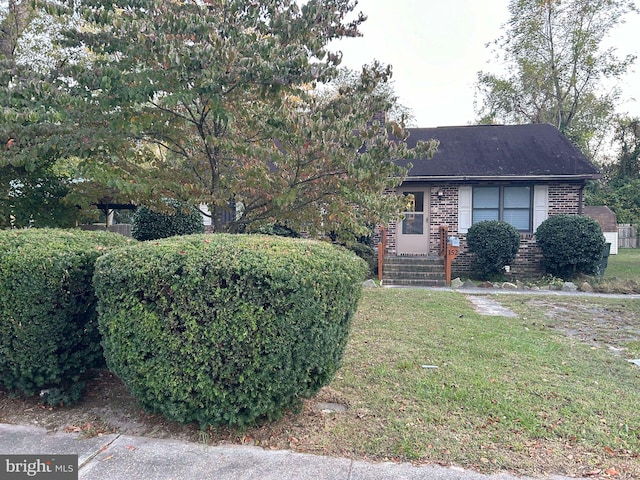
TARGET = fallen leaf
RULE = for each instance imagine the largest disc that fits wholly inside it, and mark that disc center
(612, 472)
(130, 447)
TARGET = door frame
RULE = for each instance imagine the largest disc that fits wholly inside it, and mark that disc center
(414, 243)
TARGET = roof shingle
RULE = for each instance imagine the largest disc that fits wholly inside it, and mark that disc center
(488, 151)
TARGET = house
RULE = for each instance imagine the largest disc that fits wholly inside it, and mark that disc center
(521, 174)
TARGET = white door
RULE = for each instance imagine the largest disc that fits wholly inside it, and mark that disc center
(413, 231)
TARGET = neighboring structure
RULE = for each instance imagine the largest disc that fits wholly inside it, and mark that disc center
(521, 174)
(606, 218)
(627, 236)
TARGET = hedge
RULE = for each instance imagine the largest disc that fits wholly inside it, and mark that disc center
(226, 329)
(48, 324)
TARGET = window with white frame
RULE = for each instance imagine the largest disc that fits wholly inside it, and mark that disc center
(511, 204)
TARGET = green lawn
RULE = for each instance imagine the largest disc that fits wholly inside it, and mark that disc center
(625, 265)
(507, 393)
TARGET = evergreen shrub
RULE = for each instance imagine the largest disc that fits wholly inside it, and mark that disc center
(226, 329)
(277, 229)
(367, 253)
(48, 325)
(182, 219)
(570, 245)
(495, 244)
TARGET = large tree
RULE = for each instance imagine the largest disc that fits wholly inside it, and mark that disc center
(215, 102)
(619, 187)
(558, 69)
(33, 189)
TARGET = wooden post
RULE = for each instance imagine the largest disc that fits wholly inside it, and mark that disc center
(382, 244)
(449, 252)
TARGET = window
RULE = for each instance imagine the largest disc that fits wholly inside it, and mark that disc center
(508, 204)
(413, 223)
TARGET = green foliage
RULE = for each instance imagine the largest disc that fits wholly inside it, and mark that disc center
(570, 244)
(151, 225)
(48, 326)
(226, 329)
(365, 252)
(277, 229)
(213, 102)
(556, 62)
(619, 187)
(495, 245)
(35, 199)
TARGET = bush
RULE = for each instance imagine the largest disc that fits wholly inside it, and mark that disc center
(48, 325)
(226, 329)
(495, 245)
(366, 253)
(570, 244)
(277, 229)
(151, 225)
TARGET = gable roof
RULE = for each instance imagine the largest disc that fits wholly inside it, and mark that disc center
(499, 152)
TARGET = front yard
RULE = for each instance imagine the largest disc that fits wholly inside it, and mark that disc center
(427, 379)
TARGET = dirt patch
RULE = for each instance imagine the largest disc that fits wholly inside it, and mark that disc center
(107, 407)
(594, 323)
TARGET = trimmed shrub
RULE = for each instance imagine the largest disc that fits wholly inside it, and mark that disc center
(151, 225)
(495, 245)
(570, 245)
(226, 329)
(48, 326)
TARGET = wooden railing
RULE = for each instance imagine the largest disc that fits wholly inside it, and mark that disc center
(382, 246)
(448, 251)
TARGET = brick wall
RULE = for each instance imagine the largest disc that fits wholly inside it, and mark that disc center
(564, 198)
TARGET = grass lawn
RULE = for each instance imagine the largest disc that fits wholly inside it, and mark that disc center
(507, 393)
(547, 391)
(625, 265)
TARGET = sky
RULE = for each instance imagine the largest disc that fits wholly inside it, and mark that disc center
(437, 47)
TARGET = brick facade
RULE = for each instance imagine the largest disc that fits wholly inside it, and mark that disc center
(563, 198)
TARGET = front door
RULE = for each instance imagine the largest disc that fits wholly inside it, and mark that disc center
(413, 231)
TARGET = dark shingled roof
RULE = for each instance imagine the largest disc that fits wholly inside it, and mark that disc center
(537, 151)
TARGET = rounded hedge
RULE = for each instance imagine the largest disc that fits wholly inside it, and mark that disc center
(226, 329)
(151, 225)
(570, 244)
(48, 323)
(495, 245)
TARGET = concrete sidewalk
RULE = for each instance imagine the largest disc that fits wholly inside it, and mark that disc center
(123, 457)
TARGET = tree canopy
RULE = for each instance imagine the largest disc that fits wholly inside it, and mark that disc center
(558, 69)
(213, 102)
(619, 187)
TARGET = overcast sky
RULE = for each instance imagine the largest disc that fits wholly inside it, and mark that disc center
(437, 47)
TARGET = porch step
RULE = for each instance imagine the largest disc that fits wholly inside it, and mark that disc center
(418, 271)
